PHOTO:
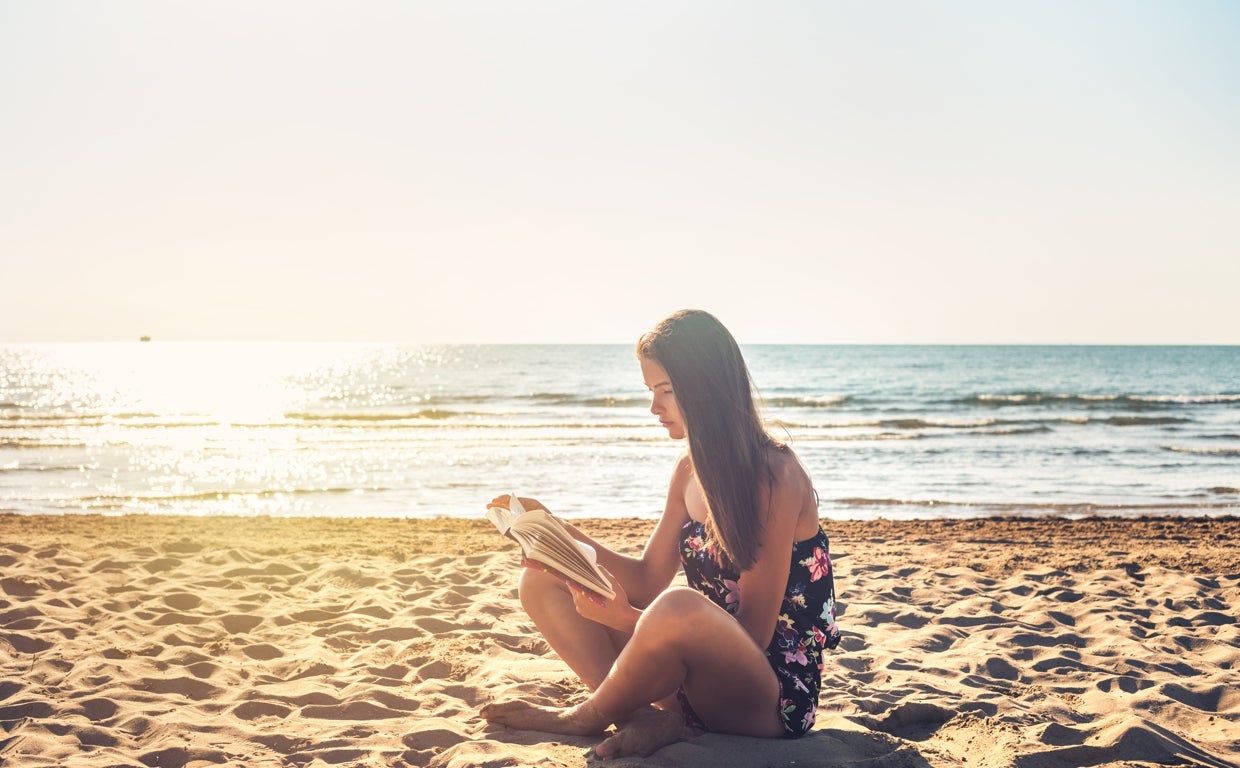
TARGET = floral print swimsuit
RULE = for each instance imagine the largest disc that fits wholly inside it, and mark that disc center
(805, 627)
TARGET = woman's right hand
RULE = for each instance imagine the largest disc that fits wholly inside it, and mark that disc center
(616, 613)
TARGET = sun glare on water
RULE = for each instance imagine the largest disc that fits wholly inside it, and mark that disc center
(205, 424)
(225, 383)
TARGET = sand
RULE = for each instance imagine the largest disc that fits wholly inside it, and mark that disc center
(174, 641)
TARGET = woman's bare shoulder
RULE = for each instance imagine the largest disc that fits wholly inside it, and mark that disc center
(682, 471)
(787, 471)
(792, 493)
(684, 465)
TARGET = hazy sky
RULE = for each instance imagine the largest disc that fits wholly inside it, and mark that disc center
(1044, 172)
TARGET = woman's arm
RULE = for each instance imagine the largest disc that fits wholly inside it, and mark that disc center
(762, 586)
(643, 578)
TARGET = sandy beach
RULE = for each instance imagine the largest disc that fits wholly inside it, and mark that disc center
(191, 641)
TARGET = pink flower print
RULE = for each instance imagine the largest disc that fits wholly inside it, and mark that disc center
(810, 715)
(695, 543)
(798, 656)
(734, 592)
(819, 636)
(787, 706)
(819, 564)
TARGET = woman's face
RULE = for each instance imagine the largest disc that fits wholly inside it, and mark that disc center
(662, 399)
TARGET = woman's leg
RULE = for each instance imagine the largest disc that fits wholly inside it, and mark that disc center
(587, 647)
(682, 640)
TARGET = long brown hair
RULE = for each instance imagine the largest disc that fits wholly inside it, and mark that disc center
(728, 444)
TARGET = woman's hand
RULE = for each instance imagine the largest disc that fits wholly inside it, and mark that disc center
(506, 499)
(616, 613)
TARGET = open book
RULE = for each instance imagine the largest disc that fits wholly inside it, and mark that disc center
(547, 544)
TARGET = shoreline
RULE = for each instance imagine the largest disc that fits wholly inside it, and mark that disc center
(237, 640)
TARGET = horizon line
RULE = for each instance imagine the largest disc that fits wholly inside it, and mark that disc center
(391, 342)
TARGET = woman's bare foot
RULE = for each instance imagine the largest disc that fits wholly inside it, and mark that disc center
(580, 720)
(646, 732)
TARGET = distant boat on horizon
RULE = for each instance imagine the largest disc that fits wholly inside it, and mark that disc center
(145, 338)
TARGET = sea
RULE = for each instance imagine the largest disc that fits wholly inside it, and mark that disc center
(370, 430)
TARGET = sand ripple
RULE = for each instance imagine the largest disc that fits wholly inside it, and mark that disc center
(210, 641)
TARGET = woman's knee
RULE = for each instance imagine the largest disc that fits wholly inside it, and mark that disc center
(536, 588)
(675, 599)
(678, 612)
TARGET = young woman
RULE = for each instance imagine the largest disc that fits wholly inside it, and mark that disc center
(740, 651)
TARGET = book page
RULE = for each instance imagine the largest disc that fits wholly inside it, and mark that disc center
(501, 518)
(546, 541)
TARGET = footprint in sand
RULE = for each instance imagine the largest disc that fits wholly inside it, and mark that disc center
(189, 687)
(1061, 735)
(253, 710)
(240, 623)
(392, 672)
(915, 721)
(353, 710)
(29, 709)
(202, 670)
(314, 615)
(181, 756)
(1217, 698)
(160, 564)
(262, 652)
(99, 709)
(435, 670)
(1000, 669)
(1127, 743)
(182, 601)
(21, 587)
(433, 736)
(91, 736)
(173, 617)
(1125, 683)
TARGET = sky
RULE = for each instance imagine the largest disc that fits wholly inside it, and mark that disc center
(1057, 172)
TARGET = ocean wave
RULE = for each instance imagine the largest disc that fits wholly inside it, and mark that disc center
(1148, 421)
(1229, 451)
(588, 401)
(995, 426)
(821, 401)
(1016, 507)
(118, 499)
(19, 467)
(909, 424)
(1032, 430)
(810, 437)
(23, 443)
(615, 402)
(34, 420)
(1134, 402)
(1191, 399)
(347, 417)
(977, 426)
(85, 417)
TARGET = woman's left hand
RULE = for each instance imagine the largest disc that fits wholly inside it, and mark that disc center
(616, 613)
